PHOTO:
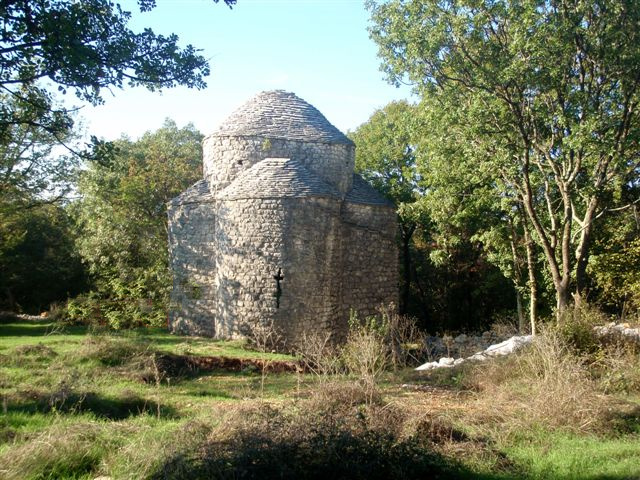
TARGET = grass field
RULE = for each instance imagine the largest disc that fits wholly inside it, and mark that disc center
(82, 404)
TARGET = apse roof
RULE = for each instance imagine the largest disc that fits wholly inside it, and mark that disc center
(277, 178)
(364, 193)
(280, 114)
(197, 193)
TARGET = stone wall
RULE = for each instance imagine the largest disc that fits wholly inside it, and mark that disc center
(192, 258)
(370, 258)
(225, 157)
(296, 240)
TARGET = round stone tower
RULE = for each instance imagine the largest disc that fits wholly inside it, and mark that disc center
(278, 124)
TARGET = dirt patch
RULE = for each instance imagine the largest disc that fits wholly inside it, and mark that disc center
(171, 365)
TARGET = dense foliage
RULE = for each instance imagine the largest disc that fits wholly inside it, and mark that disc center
(49, 48)
(533, 106)
(82, 47)
(446, 280)
(123, 224)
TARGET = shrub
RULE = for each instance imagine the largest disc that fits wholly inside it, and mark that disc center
(575, 328)
(318, 354)
(130, 310)
(406, 340)
(306, 443)
(367, 353)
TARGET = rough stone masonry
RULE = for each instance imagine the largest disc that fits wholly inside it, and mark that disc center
(280, 231)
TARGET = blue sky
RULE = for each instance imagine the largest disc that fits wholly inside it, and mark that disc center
(318, 49)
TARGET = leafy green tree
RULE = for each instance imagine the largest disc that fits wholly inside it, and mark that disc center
(543, 94)
(38, 259)
(468, 214)
(30, 172)
(82, 47)
(458, 289)
(385, 157)
(615, 263)
(122, 215)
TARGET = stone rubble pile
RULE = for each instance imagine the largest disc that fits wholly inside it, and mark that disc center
(445, 347)
(620, 331)
(462, 345)
(503, 348)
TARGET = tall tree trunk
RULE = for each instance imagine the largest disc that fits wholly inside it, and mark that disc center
(517, 279)
(533, 282)
(407, 233)
(582, 251)
(560, 273)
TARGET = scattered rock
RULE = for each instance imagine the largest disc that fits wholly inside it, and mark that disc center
(502, 348)
(460, 338)
(446, 361)
(622, 331)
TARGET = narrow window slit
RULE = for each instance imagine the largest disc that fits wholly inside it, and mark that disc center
(279, 277)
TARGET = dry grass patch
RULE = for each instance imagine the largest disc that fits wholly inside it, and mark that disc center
(545, 385)
(61, 451)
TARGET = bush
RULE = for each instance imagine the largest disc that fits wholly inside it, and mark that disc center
(360, 443)
(367, 354)
(575, 328)
(93, 309)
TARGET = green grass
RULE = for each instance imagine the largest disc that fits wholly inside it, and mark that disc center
(79, 404)
(566, 456)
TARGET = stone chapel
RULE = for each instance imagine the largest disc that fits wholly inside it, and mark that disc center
(280, 230)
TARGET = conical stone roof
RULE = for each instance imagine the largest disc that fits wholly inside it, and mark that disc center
(277, 178)
(283, 115)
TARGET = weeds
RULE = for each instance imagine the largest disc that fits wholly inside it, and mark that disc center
(546, 385)
(61, 451)
(270, 442)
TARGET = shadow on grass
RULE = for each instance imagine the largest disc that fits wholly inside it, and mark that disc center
(317, 454)
(88, 402)
(17, 327)
(626, 421)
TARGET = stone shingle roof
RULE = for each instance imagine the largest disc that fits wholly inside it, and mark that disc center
(362, 192)
(277, 178)
(280, 114)
(197, 193)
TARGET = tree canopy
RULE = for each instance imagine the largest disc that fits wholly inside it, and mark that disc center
(82, 47)
(542, 94)
(123, 225)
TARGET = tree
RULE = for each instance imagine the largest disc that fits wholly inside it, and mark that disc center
(468, 211)
(29, 171)
(544, 94)
(385, 157)
(83, 47)
(460, 289)
(123, 224)
(38, 260)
